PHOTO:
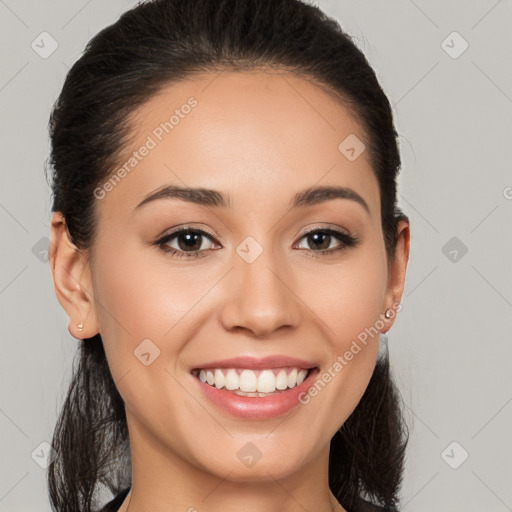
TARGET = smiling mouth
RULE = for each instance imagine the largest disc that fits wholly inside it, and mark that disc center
(253, 383)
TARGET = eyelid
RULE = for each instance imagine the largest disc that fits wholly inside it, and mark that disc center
(186, 227)
(321, 226)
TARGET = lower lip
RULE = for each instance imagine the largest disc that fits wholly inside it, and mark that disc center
(256, 408)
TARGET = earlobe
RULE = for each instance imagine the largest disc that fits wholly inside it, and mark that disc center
(72, 280)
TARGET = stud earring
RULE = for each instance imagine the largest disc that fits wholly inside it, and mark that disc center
(388, 313)
(80, 327)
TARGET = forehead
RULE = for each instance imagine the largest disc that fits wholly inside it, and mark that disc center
(250, 133)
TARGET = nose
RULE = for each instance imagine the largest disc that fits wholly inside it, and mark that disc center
(259, 297)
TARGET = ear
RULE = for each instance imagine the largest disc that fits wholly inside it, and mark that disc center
(72, 280)
(396, 273)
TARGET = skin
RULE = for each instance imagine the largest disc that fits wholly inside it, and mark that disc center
(261, 138)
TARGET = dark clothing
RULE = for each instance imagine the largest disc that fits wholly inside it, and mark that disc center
(115, 503)
(113, 506)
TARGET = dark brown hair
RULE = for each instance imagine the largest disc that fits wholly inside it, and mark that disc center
(154, 44)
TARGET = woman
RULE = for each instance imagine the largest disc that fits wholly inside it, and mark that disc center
(226, 243)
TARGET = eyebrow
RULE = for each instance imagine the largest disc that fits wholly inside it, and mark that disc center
(207, 197)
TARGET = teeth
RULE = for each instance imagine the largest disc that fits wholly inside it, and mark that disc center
(248, 382)
(232, 380)
(253, 383)
(242, 393)
(292, 378)
(219, 379)
(266, 382)
(282, 380)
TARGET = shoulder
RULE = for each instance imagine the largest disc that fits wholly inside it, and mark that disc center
(116, 502)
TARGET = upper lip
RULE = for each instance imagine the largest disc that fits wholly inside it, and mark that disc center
(257, 363)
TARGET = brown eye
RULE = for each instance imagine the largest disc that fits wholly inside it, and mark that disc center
(190, 242)
(320, 240)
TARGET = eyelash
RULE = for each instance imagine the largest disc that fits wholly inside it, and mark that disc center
(347, 241)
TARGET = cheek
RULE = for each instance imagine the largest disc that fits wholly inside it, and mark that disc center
(138, 298)
(129, 310)
(135, 308)
(348, 298)
(350, 309)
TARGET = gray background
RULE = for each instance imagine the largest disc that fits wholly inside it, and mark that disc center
(451, 344)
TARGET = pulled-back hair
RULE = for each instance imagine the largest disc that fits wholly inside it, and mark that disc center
(155, 44)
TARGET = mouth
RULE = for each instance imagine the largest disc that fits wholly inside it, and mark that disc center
(253, 382)
(251, 394)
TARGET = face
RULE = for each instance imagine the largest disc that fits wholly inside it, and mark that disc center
(255, 276)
